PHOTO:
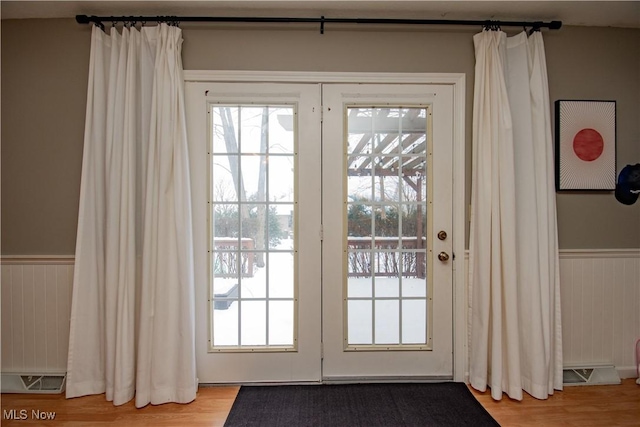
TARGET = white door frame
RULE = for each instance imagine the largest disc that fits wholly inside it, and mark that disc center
(457, 80)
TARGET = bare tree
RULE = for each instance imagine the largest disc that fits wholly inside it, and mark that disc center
(231, 144)
(262, 180)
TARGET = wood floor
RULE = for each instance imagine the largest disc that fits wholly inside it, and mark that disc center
(575, 406)
(602, 406)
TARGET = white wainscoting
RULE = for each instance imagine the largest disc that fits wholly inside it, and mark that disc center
(36, 303)
(600, 298)
(600, 291)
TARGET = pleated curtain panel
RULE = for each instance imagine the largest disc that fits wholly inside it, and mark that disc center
(516, 331)
(132, 316)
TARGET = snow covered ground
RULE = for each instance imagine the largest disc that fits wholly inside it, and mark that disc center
(253, 313)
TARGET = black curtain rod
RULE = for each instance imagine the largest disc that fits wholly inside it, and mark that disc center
(99, 20)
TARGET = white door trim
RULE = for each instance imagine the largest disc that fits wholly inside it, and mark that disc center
(457, 80)
(323, 77)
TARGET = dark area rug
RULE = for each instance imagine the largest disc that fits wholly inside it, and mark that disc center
(389, 405)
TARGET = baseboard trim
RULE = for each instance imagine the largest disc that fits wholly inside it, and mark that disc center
(627, 372)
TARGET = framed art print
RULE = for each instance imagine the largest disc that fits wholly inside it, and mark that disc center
(585, 145)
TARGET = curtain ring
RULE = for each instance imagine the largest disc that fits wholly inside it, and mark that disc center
(491, 26)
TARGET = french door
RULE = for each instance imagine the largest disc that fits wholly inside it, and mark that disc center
(387, 185)
(323, 231)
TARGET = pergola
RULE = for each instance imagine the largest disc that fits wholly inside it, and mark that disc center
(387, 142)
(396, 140)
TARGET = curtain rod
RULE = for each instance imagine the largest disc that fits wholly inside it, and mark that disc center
(98, 20)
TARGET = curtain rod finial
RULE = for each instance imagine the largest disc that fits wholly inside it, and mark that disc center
(555, 25)
(82, 19)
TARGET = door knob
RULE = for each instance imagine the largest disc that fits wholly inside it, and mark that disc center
(443, 256)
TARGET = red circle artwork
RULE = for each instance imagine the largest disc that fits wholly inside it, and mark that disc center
(588, 144)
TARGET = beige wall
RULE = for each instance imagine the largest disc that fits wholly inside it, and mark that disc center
(44, 78)
(44, 86)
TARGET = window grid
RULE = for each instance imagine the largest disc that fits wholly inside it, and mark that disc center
(387, 158)
(241, 208)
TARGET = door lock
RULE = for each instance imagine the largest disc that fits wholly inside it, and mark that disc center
(442, 235)
(443, 256)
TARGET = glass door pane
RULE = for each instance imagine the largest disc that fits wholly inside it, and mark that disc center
(252, 255)
(386, 238)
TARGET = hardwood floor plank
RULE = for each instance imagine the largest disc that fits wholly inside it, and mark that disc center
(575, 406)
(210, 409)
(607, 405)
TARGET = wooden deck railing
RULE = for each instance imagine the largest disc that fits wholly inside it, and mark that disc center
(385, 256)
(225, 259)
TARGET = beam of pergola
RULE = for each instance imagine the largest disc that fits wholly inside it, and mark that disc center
(391, 155)
(361, 144)
(387, 124)
(380, 123)
(392, 158)
(377, 171)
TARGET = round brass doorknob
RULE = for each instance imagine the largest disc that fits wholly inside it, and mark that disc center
(443, 256)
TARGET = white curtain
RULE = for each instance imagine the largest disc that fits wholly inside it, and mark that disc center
(516, 331)
(132, 316)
